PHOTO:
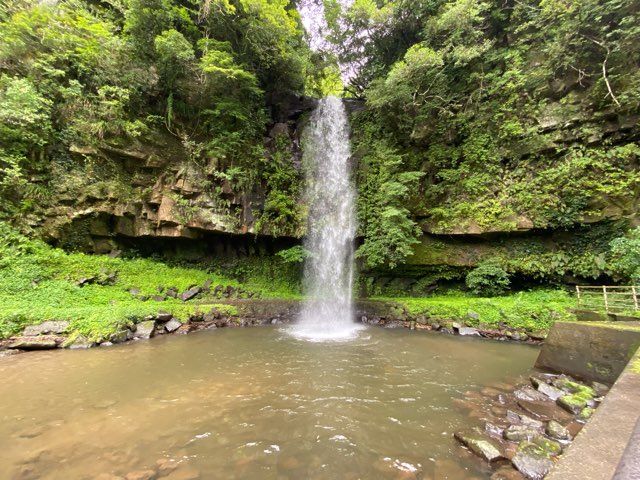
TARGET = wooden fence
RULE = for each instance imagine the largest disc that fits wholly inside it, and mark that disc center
(608, 299)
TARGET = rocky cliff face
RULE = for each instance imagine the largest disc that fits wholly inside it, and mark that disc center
(152, 188)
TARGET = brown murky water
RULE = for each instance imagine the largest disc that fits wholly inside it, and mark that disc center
(249, 404)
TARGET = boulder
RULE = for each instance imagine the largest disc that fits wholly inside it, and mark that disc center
(556, 430)
(550, 447)
(207, 286)
(36, 343)
(479, 445)
(134, 291)
(572, 403)
(532, 461)
(158, 298)
(190, 294)
(145, 329)
(46, 328)
(172, 325)
(519, 418)
(121, 336)
(164, 316)
(530, 394)
(81, 342)
(550, 391)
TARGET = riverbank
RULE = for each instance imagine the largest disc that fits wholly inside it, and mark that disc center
(96, 298)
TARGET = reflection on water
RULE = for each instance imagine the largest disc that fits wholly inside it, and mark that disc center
(248, 403)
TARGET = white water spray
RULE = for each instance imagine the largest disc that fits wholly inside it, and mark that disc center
(328, 312)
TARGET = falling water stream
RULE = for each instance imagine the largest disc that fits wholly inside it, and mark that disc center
(327, 314)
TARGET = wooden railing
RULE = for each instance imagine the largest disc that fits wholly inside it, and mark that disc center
(609, 299)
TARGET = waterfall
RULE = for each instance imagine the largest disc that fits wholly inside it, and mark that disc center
(328, 312)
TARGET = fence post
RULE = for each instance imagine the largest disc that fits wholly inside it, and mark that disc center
(578, 294)
(606, 300)
(635, 297)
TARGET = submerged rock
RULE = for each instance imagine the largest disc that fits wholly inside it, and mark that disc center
(507, 473)
(532, 461)
(141, 475)
(479, 445)
(145, 329)
(519, 433)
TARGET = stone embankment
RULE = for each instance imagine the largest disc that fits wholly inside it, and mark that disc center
(524, 431)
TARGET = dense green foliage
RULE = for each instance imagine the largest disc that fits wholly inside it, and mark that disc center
(488, 279)
(533, 311)
(76, 76)
(625, 261)
(39, 283)
(520, 115)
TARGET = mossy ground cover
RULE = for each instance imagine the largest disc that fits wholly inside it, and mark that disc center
(39, 283)
(530, 311)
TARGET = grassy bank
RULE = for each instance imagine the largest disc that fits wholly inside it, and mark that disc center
(38, 283)
(526, 311)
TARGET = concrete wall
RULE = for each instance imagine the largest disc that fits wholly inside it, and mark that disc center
(591, 351)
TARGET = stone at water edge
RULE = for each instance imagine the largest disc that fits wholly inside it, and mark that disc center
(480, 446)
(532, 461)
(574, 387)
(507, 473)
(172, 325)
(468, 331)
(556, 430)
(550, 447)
(528, 393)
(550, 391)
(163, 316)
(81, 342)
(36, 343)
(519, 433)
(572, 403)
(45, 328)
(586, 414)
(545, 411)
(600, 388)
(520, 418)
(145, 329)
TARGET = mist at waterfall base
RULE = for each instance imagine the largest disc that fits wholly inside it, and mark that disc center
(328, 312)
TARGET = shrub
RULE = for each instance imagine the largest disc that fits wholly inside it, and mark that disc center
(488, 279)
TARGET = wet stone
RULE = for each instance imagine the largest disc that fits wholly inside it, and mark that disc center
(467, 331)
(600, 388)
(35, 343)
(532, 461)
(550, 391)
(506, 473)
(520, 418)
(480, 445)
(519, 433)
(586, 414)
(556, 430)
(572, 403)
(81, 342)
(530, 394)
(544, 410)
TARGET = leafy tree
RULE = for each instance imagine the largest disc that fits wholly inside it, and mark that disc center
(625, 257)
(488, 279)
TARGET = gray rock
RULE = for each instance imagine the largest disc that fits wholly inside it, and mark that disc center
(522, 419)
(134, 291)
(550, 391)
(46, 328)
(106, 344)
(456, 325)
(480, 445)
(172, 325)
(467, 331)
(163, 316)
(158, 298)
(519, 433)
(145, 329)
(121, 336)
(532, 461)
(172, 292)
(493, 429)
(473, 315)
(557, 431)
(600, 388)
(81, 342)
(190, 294)
(528, 393)
(35, 343)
